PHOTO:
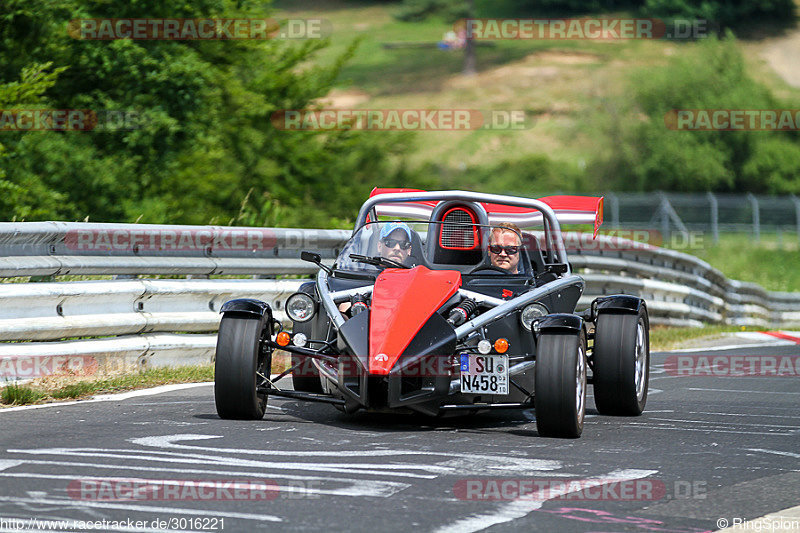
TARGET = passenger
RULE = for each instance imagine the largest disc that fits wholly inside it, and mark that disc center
(504, 246)
(395, 242)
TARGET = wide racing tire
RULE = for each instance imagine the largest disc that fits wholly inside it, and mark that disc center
(621, 363)
(560, 385)
(239, 360)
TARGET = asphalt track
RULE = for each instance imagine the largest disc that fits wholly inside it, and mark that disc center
(708, 448)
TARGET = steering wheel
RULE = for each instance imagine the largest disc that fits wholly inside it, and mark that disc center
(491, 268)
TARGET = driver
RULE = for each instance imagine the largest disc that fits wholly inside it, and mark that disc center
(395, 242)
(504, 246)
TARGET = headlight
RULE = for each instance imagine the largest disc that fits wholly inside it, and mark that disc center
(301, 307)
(299, 339)
(531, 313)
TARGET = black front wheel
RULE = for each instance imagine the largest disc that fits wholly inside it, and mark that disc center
(560, 385)
(621, 363)
(241, 365)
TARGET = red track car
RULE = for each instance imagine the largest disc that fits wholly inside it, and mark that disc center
(414, 316)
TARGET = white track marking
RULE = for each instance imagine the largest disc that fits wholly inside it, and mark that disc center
(671, 427)
(479, 464)
(381, 489)
(76, 504)
(726, 423)
(345, 491)
(737, 414)
(377, 469)
(111, 397)
(521, 508)
(9, 463)
(170, 442)
(775, 452)
(737, 390)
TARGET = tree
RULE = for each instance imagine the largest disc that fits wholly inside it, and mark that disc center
(452, 11)
(203, 140)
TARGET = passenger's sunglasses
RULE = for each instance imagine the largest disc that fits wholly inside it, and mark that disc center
(391, 243)
(509, 250)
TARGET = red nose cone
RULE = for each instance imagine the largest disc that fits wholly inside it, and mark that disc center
(402, 301)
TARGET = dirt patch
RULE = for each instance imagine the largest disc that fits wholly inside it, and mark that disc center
(564, 57)
(344, 99)
(539, 66)
(782, 55)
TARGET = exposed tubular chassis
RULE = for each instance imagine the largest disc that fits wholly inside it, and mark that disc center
(611, 338)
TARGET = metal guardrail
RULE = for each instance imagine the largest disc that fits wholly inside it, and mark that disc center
(156, 322)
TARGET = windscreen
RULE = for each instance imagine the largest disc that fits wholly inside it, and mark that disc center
(451, 245)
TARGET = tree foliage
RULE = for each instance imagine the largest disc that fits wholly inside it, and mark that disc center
(647, 155)
(203, 140)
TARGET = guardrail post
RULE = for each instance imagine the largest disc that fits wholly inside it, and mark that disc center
(714, 216)
(663, 209)
(613, 205)
(756, 217)
(797, 213)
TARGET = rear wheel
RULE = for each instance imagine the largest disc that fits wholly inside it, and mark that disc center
(560, 385)
(621, 363)
(241, 365)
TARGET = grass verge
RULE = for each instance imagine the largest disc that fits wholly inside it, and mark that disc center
(771, 262)
(668, 338)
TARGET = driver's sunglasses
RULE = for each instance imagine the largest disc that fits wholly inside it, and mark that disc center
(391, 243)
(509, 250)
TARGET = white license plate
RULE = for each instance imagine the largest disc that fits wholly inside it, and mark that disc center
(484, 373)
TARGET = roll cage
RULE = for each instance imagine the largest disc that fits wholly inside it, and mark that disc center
(489, 208)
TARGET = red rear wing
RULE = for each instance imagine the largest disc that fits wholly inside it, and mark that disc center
(568, 209)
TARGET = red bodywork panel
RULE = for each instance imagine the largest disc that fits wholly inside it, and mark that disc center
(402, 301)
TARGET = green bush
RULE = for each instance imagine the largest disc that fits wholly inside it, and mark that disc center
(531, 175)
(736, 14)
(644, 154)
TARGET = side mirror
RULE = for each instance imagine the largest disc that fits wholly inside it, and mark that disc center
(311, 257)
(315, 258)
(556, 268)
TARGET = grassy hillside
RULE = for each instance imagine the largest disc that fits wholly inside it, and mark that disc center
(569, 87)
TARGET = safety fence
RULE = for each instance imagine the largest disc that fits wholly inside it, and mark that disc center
(84, 325)
(711, 214)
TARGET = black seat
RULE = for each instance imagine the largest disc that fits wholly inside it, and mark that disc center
(456, 240)
(533, 250)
